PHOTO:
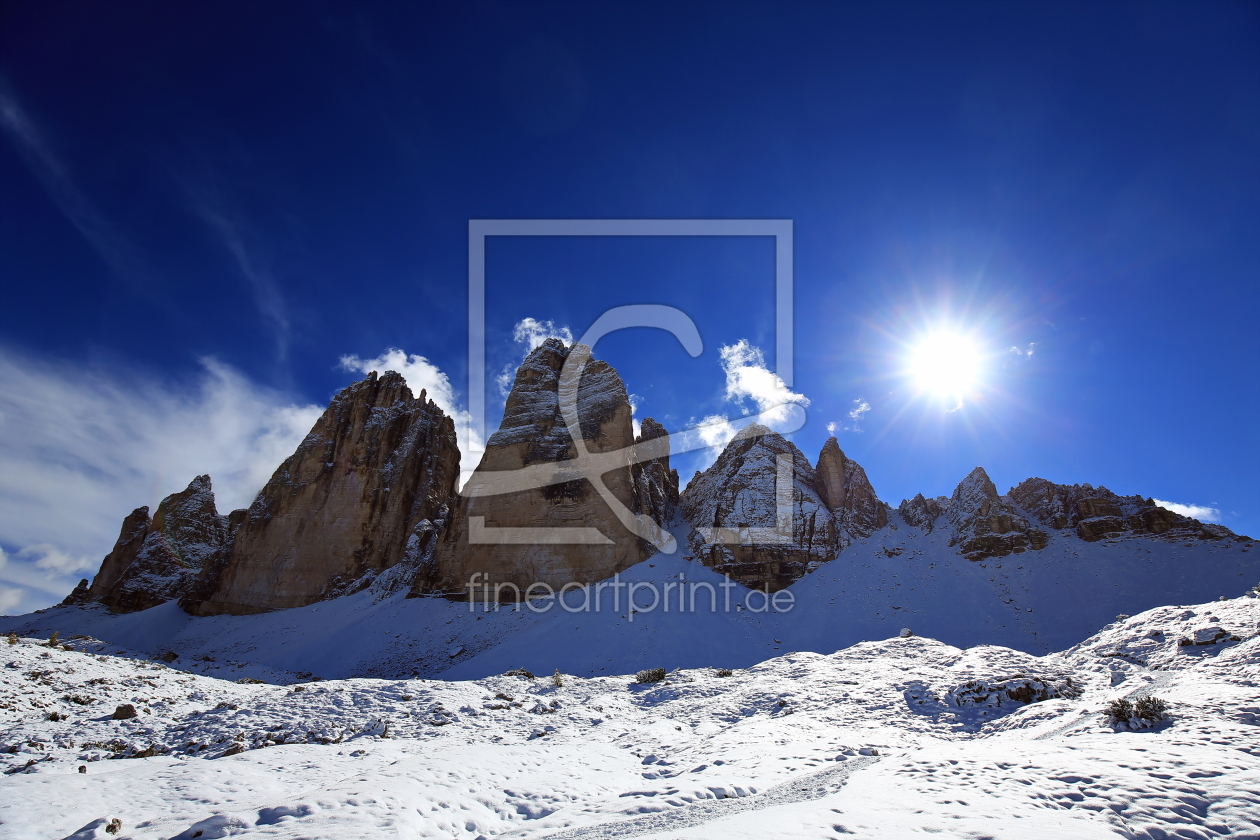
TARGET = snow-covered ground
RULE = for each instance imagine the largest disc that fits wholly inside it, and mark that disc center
(1037, 602)
(894, 738)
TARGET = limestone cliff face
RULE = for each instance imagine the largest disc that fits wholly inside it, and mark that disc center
(1095, 513)
(533, 535)
(986, 524)
(757, 515)
(155, 560)
(843, 486)
(377, 469)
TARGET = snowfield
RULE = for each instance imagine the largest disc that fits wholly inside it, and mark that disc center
(903, 737)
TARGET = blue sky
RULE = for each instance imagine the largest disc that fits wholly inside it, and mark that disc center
(206, 206)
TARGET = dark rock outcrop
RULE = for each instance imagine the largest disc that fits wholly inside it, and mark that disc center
(379, 467)
(155, 560)
(922, 513)
(756, 513)
(655, 484)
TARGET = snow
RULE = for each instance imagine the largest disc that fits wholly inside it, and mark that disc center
(868, 741)
(899, 577)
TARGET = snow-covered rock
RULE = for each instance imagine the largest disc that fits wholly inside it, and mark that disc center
(986, 524)
(159, 559)
(756, 515)
(1096, 513)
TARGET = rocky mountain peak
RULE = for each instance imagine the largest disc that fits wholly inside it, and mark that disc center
(756, 514)
(973, 489)
(561, 527)
(379, 464)
(157, 559)
(922, 513)
(986, 524)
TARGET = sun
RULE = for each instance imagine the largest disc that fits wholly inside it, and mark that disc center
(945, 364)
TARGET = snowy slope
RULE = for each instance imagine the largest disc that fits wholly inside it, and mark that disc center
(899, 577)
(870, 741)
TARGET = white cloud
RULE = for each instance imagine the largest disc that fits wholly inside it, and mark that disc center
(747, 377)
(635, 402)
(1025, 352)
(421, 374)
(860, 407)
(832, 428)
(80, 448)
(1200, 512)
(716, 431)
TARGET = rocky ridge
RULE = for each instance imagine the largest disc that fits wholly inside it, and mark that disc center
(369, 499)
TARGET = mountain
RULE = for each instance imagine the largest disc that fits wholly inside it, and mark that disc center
(356, 558)
(563, 528)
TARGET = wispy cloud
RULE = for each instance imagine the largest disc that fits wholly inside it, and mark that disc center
(251, 261)
(1200, 512)
(421, 374)
(532, 333)
(80, 448)
(55, 176)
(860, 407)
(1025, 352)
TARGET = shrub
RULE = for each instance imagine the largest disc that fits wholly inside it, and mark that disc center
(1120, 711)
(1146, 711)
(724, 672)
(651, 675)
(557, 680)
(1150, 708)
(12, 638)
(55, 640)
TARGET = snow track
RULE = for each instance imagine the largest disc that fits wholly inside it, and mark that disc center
(814, 786)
